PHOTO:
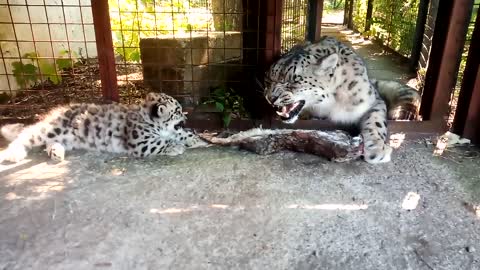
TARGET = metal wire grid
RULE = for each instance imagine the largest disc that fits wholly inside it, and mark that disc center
(294, 23)
(185, 48)
(46, 48)
(393, 22)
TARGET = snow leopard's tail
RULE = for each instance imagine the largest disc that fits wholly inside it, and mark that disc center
(11, 131)
(403, 101)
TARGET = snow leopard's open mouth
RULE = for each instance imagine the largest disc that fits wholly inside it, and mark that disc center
(290, 111)
(179, 125)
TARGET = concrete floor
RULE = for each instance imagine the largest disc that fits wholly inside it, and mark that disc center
(219, 208)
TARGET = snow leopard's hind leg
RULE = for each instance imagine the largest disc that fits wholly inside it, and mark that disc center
(373, 127)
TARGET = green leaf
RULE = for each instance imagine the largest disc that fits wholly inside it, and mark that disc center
(48, 71)
(135, 56)
(219, 92)
(63, 63)
(30, 55)
(226, 119)
(63, 53)
(24, 73)
(219, 106)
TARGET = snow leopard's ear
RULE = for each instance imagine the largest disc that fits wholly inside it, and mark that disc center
(152, 96)
(157, 109)
(326, 65)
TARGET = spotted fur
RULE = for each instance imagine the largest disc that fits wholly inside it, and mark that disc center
(152, 128)
(327, 79)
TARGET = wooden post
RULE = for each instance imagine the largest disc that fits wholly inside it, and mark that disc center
(368, 19)
(447, 46)
(350, 15)
(315, 12)
(105, 54)
(467, 116)
(274, 30)
(345, 11)
(419, 31)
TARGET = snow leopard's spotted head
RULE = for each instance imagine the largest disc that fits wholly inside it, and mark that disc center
(165, 110)
(301, 78)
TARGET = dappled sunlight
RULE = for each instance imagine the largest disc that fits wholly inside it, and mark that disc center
(6, 167)
(178, 210)
(346, 32)
(396, 140)
(193, 208)
(12, 196)
(411, 200)
(358, 42)
(170, 210)
(41, 171)
(35, 182)
(221, 206)
(347, 207)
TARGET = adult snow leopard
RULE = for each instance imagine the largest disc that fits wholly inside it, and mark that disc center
(153, 127)
(327, 79)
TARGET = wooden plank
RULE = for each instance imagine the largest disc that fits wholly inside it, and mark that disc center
(350, 15)
(467, 116)
(412, 129)
(419, 33)
(105, 54)
(273, 30)
(315, 12)
(447, 46)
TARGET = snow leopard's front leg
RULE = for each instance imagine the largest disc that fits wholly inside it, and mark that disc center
(373, 127)
(189, 139)
(155, 146)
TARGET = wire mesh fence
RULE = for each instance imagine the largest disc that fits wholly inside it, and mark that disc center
(294, 23)
(199, 51)
(47, 55)
(393, 22)
(181, 47)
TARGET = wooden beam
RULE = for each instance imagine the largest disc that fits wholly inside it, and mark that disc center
(467, 116)
(419, 31)
(345, 11)
(447, 46)
(273, 30)
(350, 15)
(105, 54)
(315, 12)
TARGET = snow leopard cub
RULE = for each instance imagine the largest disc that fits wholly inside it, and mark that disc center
(327, 79)
(155, 127)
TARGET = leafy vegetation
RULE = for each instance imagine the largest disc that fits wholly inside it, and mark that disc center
(132, 20)
(35, 69)
(393, 22)
(228, 103)
(333, 4)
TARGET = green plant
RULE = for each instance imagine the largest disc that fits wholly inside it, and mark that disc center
(40, 69)
(334, 4)
(132, 20)
(228, 103)
(393, 22)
